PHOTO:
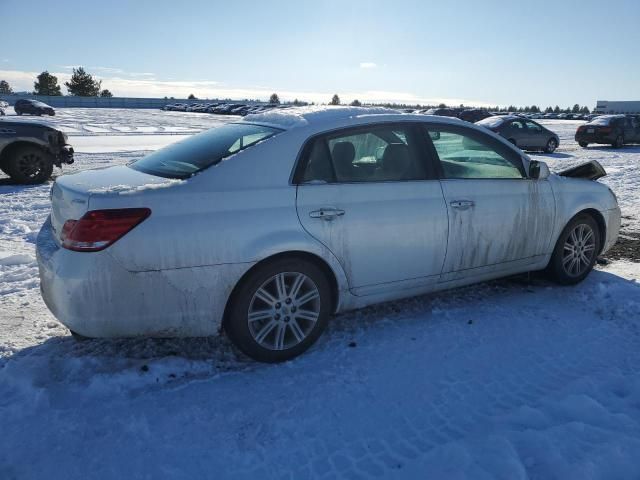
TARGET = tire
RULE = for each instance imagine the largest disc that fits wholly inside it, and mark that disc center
(18, 112)
(619, 142)
(583, 144)
(29, 165)
(270, 336)
(567, 266)
(79, 338)
(552, 144)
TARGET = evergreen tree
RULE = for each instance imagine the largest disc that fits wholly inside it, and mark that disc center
(191, 97)
(556, 109)
(46, 84)
(82, 84)
(575, 109)
(356, 103)
(548, 110)
(335, 100)
(442, 105)
(585, 110)
(274, 98)
(5, 87)
(106, 93)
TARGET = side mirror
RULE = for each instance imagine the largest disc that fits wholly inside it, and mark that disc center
(434, 135)
(538, 170)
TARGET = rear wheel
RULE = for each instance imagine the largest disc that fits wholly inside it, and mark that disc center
(29, 165)
(583, 144)
(279, 310)
(552, 144)
(619, 142)
(576, 251)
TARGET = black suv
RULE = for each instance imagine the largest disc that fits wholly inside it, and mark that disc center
(33, 107)
(615, 130)
(29, 150)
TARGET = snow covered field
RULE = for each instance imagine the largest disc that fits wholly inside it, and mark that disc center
(517, 378)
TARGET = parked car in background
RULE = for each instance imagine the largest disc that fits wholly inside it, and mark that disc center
(25, 106)
(442, 112)
(30, 150)
(300, 198)
(522, 132)
(615, 130)
(473, 115)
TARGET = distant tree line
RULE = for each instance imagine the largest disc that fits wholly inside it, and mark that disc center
(81, 84)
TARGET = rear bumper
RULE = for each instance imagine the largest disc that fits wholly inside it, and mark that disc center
(93, 295)
(595, 138)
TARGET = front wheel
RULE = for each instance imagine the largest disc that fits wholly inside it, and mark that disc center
(583, 144)
(552, 144)
(576, 251)
(279, 310)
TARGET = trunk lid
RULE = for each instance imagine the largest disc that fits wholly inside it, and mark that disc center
(70, 194)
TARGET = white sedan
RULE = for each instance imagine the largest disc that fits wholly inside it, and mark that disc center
(266, 227)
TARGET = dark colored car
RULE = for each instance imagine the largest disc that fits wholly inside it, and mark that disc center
(473, 115)
(33, 107)
(29, 150)
(442, 112)
(615, 130)
(522, 132)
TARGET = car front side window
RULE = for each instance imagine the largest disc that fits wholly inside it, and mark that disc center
(466, 155)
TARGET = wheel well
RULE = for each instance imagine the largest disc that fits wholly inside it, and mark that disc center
(599, 219)
(319, 262)
(7, 151)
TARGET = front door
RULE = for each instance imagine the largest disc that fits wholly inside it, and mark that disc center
(499, 220)
(366, 194)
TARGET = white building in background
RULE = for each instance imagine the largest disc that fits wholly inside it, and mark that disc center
(606, 106)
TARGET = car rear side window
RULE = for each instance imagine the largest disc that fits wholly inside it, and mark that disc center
(185, 158)
(467, 155)
(369, 154)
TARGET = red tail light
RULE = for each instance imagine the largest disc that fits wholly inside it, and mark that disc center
(98, 229)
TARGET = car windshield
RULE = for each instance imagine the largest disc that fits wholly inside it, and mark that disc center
(491, 122)
(185, 158)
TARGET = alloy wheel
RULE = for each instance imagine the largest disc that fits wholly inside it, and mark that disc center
(284, 311)
(579, 249)
(31, 165)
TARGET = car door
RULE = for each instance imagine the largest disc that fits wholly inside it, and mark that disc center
(367, 194)
(516, 133)
(536, 136)
(499, 220)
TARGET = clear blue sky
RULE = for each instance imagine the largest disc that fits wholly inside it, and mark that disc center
(490, 52)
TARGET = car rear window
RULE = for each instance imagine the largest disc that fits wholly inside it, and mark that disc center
(491, 122)
(185, 158)
(602, 120)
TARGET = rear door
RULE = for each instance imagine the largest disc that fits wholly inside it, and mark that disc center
(536, 136)
(368, 195)
(499, 220)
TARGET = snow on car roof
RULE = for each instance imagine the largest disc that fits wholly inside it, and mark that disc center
(318, 116)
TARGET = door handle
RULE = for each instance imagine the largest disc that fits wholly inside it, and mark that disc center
(326, 213)
(462, 204)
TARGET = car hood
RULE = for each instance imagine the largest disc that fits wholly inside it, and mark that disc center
(590, 171)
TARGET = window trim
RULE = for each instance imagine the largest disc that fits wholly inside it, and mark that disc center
(425, 156)
(504, 150)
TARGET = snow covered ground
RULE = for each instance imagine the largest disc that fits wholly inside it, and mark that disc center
(517, 378)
